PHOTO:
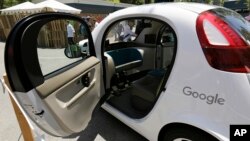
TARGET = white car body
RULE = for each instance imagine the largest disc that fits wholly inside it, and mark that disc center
(83, 45)
(195, 94)
(210, 118)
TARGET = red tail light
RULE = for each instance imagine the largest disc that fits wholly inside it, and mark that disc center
(223, 48)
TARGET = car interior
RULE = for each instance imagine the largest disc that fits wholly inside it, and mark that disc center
(137, 69)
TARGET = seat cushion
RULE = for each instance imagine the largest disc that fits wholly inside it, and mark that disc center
(145, 90)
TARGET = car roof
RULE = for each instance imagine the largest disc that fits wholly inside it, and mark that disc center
(195, 7)
(189, 6)
(177, 12)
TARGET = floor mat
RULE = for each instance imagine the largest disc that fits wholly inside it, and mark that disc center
(123, 104)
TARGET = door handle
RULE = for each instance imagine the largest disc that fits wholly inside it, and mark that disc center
(86, 80)
(78, 95)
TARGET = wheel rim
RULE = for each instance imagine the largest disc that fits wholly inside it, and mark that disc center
(182, 139)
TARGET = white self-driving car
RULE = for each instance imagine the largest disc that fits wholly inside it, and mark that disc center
(182, 73)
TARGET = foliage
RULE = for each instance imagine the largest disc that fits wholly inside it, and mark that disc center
(114, 1)
(132, 1)
(9, 3)
(1, 4)
(248, 4)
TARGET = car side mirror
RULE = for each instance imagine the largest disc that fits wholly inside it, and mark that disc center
(74, 51)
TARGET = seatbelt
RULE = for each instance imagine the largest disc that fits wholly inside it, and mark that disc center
(158, 54)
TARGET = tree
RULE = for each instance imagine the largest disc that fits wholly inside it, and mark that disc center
(1, 4)
(8, 3)
(248, 4)
(115, 1)
(21, 1)
(132, 1)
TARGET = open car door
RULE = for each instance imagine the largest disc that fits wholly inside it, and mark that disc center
(58, 99)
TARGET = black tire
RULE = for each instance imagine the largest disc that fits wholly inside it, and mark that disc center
(187, 134)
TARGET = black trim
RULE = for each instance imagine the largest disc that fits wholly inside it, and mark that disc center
(13, 62)
(158, 40)
(21, 59)
(170, 67)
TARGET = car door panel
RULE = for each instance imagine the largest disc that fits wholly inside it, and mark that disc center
(71, 102)
(65, 111)
(60, 103)
(59, 80)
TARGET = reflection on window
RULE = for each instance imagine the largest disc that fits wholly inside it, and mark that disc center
(52, 40)
(167, 38)
(241, 25)
(124, 31)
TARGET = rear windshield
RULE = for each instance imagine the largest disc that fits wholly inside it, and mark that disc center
(234, 19)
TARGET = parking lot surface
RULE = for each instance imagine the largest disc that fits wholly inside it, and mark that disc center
(102, 127)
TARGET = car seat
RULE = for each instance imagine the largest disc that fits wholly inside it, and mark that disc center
(144, 91)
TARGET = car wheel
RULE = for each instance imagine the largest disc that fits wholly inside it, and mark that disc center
(187, 134)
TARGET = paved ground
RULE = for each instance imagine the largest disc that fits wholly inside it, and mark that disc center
(9, 129)
(102, 126)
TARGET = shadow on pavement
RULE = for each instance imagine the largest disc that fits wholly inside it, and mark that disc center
(108, 127)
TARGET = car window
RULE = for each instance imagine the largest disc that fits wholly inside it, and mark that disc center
(139, 65)
(167, 37)
(123, 31)
(241, 25)
(155, 40)
(59, 39)
(127, 30)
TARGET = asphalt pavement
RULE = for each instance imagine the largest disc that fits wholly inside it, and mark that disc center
(102, 127)
(9, 129)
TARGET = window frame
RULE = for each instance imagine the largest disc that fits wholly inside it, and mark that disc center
(66, 67)
(107, 30)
